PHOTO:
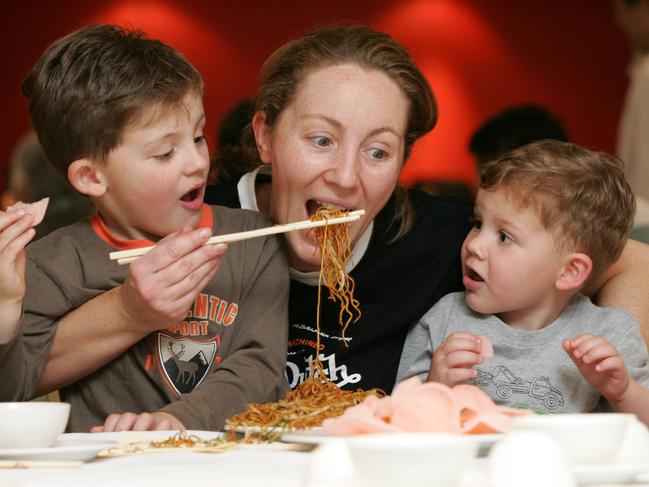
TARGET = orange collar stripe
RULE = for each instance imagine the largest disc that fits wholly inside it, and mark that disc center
(102, 231)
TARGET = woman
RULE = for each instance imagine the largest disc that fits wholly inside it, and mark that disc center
(338, 113)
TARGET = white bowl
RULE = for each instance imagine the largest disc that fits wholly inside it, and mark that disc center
(587, 438)
(410, 459)
(32, 424)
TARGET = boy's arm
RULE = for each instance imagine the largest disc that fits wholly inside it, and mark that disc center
(625, 285)
(158, 292)
(253, 368)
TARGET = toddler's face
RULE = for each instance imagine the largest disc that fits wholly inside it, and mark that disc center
(509, 260)
(155, 179)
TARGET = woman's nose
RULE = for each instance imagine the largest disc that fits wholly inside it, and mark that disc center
(344, 169)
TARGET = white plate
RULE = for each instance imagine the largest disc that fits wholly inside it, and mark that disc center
(313, 436)
(63, 449)
(316, 436)
(611, 473)
(123, 437)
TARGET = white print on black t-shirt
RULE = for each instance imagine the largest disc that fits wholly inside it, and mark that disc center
(322, 333)
(337, 375)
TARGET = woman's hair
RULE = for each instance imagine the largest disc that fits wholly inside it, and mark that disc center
(580, 196)
(285, 69)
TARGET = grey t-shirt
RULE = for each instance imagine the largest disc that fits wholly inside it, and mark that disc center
(529, 369)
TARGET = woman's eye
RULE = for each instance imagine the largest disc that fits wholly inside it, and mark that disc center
(475, 222)
(378, 154)
(504, 238)
(200, 139)
(322, 141)
(165, 156)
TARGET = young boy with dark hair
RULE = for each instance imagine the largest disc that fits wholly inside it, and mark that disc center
(550, 217)
(122, 116)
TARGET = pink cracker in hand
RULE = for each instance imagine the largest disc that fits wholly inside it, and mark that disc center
(487, 346)
(36, 209)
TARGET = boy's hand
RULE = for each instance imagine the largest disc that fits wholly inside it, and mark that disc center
(139, 422)
(15, 233)
(453, 361)
(162, 285)
(600, 364)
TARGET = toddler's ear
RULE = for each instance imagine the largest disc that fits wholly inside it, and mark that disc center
(575, 272)
(86, 177)
(263, 133)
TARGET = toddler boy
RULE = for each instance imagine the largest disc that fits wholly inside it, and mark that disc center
(549, 218)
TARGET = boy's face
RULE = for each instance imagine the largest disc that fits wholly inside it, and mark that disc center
(155, 178)
(509, 260)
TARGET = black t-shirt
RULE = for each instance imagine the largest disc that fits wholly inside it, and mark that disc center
(395, 283)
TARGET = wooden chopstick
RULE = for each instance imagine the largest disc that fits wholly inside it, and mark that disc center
(128, 256)
(39, 464)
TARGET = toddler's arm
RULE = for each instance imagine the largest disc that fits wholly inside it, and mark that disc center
(453, 361)
(603, 367)
(15, 233)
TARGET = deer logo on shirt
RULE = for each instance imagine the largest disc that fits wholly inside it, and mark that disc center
(185, 361)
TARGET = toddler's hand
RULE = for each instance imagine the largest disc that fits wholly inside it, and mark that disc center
(453, 361)
(600, 364)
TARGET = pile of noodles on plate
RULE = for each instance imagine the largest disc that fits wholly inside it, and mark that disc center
(317, 398)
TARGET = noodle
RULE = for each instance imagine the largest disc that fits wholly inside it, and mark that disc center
(317, 398)
(307, 406)
(335, 252)
(179, 441)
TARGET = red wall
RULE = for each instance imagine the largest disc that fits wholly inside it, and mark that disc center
(479, 55)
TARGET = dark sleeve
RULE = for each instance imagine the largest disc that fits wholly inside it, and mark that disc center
(23, 359)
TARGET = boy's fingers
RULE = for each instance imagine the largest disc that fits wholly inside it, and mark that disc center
(610, 363)
(143, 422)
(462, 358)
(13, 232)
(462, 342)
(457, 376)
(126, 422)
(584, 345)
(173, 247)
(598, 352)
(18, 244)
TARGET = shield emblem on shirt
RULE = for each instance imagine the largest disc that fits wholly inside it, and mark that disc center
(185, 362)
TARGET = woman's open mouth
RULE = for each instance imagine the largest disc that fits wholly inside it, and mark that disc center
(312, 206)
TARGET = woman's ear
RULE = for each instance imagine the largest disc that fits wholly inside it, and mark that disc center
(86, 177)
(263, 134)
(575, 272)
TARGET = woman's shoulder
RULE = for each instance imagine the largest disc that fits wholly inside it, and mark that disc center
(437, 208)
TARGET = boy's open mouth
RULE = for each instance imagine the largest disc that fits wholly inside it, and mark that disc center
(191, 195)
(473, 275)
(312, 206)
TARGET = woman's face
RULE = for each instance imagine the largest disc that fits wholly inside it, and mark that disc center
(340, 143)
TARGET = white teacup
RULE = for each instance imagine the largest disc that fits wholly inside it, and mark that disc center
(32, 424)
(410, 459)
(587, 438)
